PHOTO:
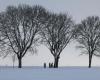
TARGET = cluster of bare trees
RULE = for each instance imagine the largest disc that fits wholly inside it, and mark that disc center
(22, 27)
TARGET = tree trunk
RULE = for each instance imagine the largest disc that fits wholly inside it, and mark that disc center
(13, 64)
(56, 60)
(90, 60)
(20, 62)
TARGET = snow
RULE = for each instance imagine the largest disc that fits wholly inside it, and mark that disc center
(65, 73)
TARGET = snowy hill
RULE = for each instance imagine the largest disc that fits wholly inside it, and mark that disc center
(36, 73)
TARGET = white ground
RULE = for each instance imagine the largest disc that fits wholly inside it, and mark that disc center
(69, 73)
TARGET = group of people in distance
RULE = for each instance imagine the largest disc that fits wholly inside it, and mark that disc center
(50, 65)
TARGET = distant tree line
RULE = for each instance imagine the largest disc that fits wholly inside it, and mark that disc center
(24, 26)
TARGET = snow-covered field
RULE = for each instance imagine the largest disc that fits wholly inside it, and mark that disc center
(68, 73)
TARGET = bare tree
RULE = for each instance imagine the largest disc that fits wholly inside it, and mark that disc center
(20, 26)
(57, 33)
(88, 35)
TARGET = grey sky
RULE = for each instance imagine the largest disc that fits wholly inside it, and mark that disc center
(78, 9)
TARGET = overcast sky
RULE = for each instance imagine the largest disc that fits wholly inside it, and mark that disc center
(78, 9)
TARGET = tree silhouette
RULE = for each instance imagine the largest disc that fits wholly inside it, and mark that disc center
(57, 33)
(20, 26)
(88, 35)
(13, 59)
